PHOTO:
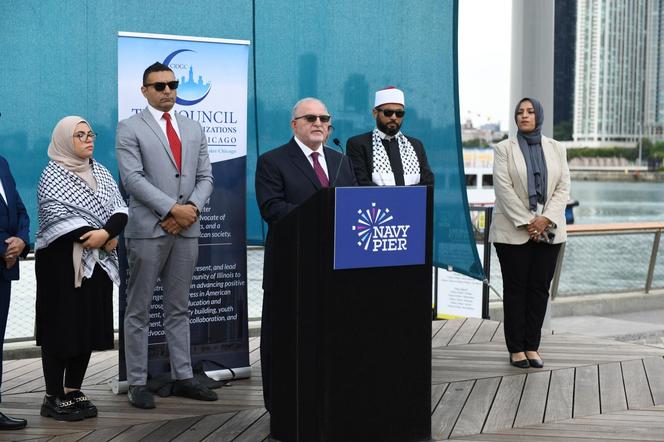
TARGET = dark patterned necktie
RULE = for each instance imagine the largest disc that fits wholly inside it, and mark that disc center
(320, 173)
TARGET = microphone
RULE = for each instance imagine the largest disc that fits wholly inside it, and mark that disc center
(343, 157)
(338, 144)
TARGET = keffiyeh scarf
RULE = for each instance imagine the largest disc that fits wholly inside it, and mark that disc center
(382, 173)
(67, 203)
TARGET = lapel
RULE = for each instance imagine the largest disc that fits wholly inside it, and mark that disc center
(3, 178)
(152, 124)
(184, 152)
(332, 165)
(6, 205)
(301, 162)
(520, 164)
(551, 165)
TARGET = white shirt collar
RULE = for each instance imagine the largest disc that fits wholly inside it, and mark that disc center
(158, 115)
(306, 150)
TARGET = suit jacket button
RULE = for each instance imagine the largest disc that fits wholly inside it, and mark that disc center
(177, 175)
(181, 196)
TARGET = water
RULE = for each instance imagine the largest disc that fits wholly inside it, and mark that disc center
(608, 263)
(617, 202)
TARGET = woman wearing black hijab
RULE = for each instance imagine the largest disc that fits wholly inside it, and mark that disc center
(532, 185)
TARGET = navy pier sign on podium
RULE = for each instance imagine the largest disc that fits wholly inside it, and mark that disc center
(379, 226)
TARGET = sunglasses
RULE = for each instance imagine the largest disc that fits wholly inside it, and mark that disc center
(313, 118)
(160, 85)
(389, 112)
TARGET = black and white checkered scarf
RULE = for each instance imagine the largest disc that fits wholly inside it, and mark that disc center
(382, 173)
(67, 203)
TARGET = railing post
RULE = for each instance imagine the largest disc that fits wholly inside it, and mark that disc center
(653, 260)
(556, 273)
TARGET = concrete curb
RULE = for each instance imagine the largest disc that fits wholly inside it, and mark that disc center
(596, 305)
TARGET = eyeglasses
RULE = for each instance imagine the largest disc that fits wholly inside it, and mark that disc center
(313, 118)
(389, 112)
(160, 85)
(85, 136)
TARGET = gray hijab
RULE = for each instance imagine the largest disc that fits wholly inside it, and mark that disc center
(531, 148)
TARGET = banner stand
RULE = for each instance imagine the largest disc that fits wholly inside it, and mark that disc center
(213, 78)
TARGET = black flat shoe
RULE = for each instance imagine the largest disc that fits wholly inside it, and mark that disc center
(60, 410)
(11, 423)
(523, 363)
(82, 403)
(536, 363)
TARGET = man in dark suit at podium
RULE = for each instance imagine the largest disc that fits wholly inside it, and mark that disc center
(286, 177)
(385, 156)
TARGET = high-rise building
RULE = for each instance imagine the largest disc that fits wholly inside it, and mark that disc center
(614, 39)
(564, 51)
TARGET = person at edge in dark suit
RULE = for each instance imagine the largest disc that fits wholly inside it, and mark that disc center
(14, 238)
(385, 156)
(286, 177)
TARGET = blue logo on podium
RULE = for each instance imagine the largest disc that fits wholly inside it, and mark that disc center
(379, 227)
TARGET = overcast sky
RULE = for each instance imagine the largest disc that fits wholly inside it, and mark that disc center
(484, 60)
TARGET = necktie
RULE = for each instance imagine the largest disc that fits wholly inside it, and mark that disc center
(174, 141)
(320, 173)
(392, 148)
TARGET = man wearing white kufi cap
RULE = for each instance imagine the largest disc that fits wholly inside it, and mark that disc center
(385, 156)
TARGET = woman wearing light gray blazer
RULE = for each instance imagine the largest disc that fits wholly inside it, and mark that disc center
(532, 186)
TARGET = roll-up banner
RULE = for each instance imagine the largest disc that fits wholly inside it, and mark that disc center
(213, 91)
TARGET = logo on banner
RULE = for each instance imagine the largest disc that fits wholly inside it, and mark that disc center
(378, 231)
(190, 91)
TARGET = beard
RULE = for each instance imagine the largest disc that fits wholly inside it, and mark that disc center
(390, 131)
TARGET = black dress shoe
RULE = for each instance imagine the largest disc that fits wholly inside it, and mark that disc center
(11, 423)
(140, 397)
(82, 403)
(60, 410)
(193, 390)
(523, 363)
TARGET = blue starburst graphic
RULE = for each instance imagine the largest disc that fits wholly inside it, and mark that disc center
(367, 220)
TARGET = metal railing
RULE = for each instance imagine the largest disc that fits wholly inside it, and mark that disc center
(605, 258)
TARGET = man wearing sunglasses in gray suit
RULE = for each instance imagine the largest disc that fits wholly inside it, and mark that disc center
(385, 156)
(165, 168)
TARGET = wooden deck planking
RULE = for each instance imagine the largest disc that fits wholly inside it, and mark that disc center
(505, 404)
(637, 390)
(533, 399)
(236, 425)
(586, 391)
(474, 390)
(655, 373)
(477, 407)
(611, 387)
(204, 427)
(445, 415)
(486, 332)
(561, 395)
(466, 331)
(446, 333)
